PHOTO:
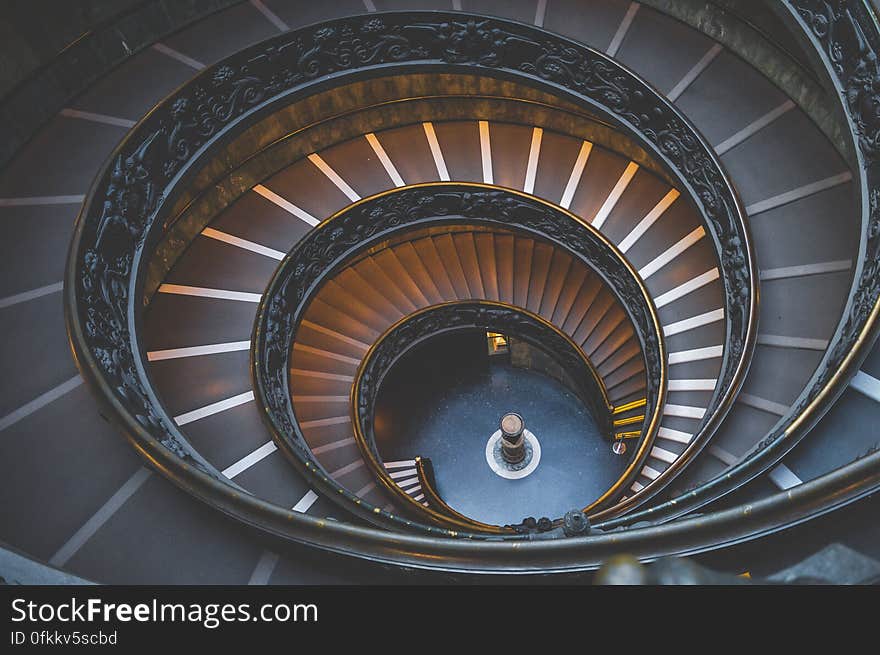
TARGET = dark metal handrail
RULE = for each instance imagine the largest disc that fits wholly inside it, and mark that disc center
(329, 248)
(119, 220)
(118, 223)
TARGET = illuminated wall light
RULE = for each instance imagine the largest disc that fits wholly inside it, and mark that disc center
(497, 343)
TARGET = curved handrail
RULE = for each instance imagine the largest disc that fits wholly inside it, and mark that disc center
(113, 230)
(425, 474)
(414, 329)
(119, 220)
(371, 221)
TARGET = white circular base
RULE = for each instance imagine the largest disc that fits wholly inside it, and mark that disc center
(510, 471)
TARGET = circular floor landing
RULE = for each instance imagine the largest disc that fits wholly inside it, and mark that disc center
(447, 415)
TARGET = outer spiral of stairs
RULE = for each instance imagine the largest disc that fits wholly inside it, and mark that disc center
(760, 421)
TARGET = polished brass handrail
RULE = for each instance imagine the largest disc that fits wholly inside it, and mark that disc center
(425, 473)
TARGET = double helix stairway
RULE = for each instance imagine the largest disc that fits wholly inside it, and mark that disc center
(370, 296)
(81, 499)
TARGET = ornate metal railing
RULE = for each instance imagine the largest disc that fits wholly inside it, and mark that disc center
(126, 209)
(368, 223)
(415, 329)
(124, 214)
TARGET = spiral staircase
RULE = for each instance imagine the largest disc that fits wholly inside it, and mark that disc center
(219, 249)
